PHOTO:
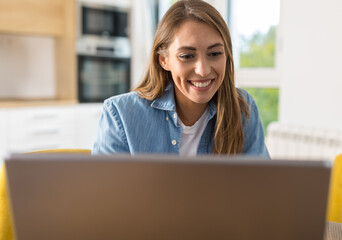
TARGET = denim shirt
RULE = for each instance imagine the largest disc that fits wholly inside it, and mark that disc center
(132, 124)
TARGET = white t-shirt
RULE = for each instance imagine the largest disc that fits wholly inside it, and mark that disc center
(191, 135)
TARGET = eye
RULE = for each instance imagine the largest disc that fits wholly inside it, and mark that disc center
(186, 56)
(215, 54)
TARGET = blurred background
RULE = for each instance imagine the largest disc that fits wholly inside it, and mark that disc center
(59, 59)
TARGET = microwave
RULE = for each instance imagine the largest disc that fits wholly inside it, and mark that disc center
(102, 20)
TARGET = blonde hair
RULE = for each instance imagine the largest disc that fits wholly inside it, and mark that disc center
(229, 137)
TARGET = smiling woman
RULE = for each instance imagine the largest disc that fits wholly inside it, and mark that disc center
(196, 60)
(187, 102)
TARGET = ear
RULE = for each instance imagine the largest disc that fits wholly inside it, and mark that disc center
(163, 61)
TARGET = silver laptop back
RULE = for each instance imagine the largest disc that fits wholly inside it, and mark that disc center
(166, 197)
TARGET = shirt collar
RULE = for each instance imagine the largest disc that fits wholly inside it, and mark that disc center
(167, 101)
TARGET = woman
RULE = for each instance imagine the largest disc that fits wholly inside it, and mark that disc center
(187, 103)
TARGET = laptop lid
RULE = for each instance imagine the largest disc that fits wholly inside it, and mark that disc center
(166, 197)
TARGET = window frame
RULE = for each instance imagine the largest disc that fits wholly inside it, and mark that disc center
(255, 77)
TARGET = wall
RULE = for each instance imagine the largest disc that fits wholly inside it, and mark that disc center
(141, 39)
(27, 67)
(311, 88)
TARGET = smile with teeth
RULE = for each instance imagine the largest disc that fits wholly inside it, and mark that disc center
(201, 84)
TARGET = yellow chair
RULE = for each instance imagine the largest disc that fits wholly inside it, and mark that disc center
(335, 196)
(6, 231)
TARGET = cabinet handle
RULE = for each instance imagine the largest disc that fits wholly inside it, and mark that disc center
(45, 116)
(45, 131)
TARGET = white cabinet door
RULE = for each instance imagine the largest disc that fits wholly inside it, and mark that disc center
(3, 134)
(41, 128)
(87, 118)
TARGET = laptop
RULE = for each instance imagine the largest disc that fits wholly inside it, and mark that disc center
(56, 196)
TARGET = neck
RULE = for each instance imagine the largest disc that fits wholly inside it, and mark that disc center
(190, 113)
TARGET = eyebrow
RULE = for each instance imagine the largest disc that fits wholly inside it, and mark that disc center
(194, 49)
(215, 45)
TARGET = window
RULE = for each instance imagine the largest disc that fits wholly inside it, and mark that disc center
(254, 26)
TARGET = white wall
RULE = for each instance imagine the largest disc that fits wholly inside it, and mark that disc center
(311, 88)
(141, 40)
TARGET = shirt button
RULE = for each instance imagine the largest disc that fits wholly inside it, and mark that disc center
(167, 118)
(174, 142)
(174, 116)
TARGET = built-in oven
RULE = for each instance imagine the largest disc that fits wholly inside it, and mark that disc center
(102, 77)
(103, 52)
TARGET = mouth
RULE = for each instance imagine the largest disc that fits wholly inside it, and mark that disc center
(201, 84)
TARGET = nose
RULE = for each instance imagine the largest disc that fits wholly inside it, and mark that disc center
(202, 67)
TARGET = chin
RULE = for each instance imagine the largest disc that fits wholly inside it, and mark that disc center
(202, 100)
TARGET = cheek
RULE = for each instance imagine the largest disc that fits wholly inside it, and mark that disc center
(180, 71)
(221, 68)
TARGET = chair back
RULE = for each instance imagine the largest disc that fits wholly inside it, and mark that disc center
(335, 195)
(6, 230)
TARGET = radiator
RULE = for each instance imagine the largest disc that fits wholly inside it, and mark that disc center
(302, 143)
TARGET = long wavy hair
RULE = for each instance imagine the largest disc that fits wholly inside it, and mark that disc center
(231, 106)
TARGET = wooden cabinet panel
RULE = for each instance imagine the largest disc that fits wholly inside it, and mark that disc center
(55, 18)
(44, 17)
(66, 82)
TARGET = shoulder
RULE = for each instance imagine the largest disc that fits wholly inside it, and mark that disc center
(254, 140)
(252, 120)
(247, 97)
(126, 101)
(252, 107)
(130, 109)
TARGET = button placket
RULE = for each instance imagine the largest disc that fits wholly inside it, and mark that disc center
(175, 131)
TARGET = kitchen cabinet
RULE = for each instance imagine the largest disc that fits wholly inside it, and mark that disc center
(47, 18)
(87, 118)
(31, 129)
(3, 132)
(26, 129)
(32, 17)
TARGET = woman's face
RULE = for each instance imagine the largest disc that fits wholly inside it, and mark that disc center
(197, 61)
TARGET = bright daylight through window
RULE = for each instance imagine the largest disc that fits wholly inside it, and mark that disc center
(254, 26)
